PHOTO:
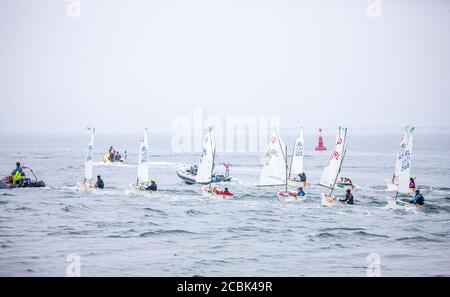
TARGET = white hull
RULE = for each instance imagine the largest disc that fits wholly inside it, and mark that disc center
(327, 200)
(297, 183)
(210, 194)
(139, 190)
(346, 187)
(85, 187)
(289, 196)
(394, 203)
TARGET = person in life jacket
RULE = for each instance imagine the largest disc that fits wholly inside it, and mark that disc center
(17, 175)
(348, 197)
(300, 192)
(153, 186)
(117, 157)
(99, 184)
(112, 153)
(418, 199)
(412, 183)
(302, 177)
(226, 192)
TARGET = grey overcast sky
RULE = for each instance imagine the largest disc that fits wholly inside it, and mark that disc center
(125, 65)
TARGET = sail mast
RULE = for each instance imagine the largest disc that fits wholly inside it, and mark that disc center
(213, 157)
(292, 160)
(284, 151)
(286, 169)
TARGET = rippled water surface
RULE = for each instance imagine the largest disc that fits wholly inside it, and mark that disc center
(181, 233)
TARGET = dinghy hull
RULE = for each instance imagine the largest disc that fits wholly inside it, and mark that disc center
(394, 203)
(207, 192)
(139, 190)
(189, 178)
(86, 187)
(327, 200)
(347, 186)
(289, 196)
(296, 183)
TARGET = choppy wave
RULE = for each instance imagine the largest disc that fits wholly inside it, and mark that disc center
(165, 232)
(215, 237)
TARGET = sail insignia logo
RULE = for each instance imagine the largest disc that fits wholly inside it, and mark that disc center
(271, 153)
(299, 150)
(90, 156)
(144, 155)
(401, 153)
(406, 163)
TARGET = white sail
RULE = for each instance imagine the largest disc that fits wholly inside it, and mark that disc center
(297, 157)
(405, 158)
(206, 165)
(334, 163)
(143, 159)
(274, 169)
(88, 169)
(398, 160)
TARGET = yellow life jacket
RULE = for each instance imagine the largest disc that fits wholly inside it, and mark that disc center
(106, 158)
(17, 177)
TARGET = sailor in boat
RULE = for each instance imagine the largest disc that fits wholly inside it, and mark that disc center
(301, 193)
(346, 181)
(412, 184)
(99, 184)
(348, 197)
(193, 169)
(117, 157)
(302, 177)
(226, 192)
(111, 152)
(152, 187)
(418, 199)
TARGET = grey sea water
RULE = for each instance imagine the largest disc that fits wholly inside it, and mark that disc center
(181, 233)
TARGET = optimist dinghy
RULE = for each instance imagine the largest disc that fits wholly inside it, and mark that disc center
(206, 167)
(297, 168)
(139, 188)
(403, 172)
(275, 168)
(333, 168)
(87, 183)
(197, 174)
(404, 153)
